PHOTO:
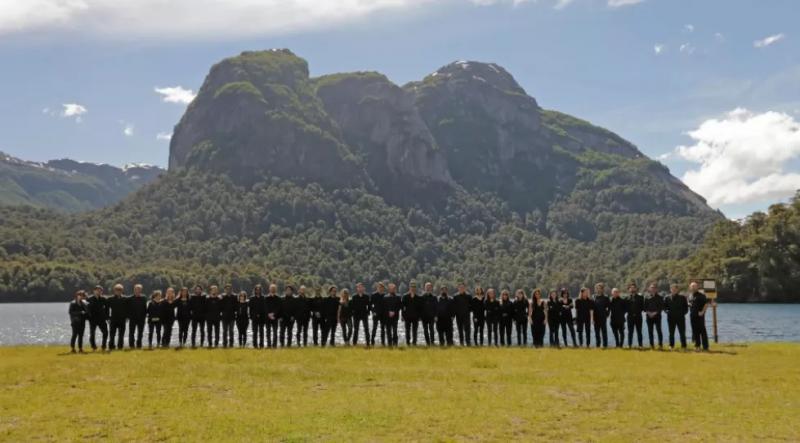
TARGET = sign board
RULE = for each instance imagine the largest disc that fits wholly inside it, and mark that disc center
(710, 288)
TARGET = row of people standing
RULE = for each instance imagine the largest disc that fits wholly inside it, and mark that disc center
(274, 320)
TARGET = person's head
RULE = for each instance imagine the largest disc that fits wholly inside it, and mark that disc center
(564, 293)
(198, 290)
(553, 295)
(344, 297)
(615, 292)
(600, 288)
(257, 290)
(359, 288)
(137, 290)
(228, 289)
(504, 295)
(674, 288)
(478, 292)
(412, 287)
(520, 294)
(332, 291)
(443, 290)
(243, 297)
(462, 288)
(584, 293)
(78, 296)
(302, 290)
(381, 287)
(653, 289)
(429, 287)
(632, 288)
(98, 291)
(184, 294)
(693, 287)
(491, 295)
(392, 288)
(170, 294)
(289, 290)
(214, 290)
(273, 289)
(156, 297)
(537, 294)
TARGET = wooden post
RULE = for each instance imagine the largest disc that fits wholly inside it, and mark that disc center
(714, 313)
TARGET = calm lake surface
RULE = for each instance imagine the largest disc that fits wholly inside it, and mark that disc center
(48, 324)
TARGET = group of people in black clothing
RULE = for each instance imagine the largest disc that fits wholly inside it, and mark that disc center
(274, 320)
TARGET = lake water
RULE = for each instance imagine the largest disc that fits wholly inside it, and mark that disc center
(48, 324)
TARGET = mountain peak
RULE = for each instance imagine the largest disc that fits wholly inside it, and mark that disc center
(478, 73)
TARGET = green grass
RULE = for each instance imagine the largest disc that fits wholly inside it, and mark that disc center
(736, 393)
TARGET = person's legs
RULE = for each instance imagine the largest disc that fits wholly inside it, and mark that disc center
(650, 325)
(150, 327)
(681, 323)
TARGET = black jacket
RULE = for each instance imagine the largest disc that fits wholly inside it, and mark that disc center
(272, 304)
(229, 302)
(168, 311)
(538, 312)
(566, 309)
(602, 307)
(376, 304)
(428, 312)
(197, 306)
(461, 304)
(98, 308)
(345, 311)
(120, 308)
(654, 303)
(78, 311)
(506, 310)
(183, 309)
(138, 308)
(392, 303)
(699, 301)
(635, 305)
(330, 308)
(444, 308)
(213, 309)
(291, 306)
(242, 310)
(359, 306)
(676, 306)
(521, 309)
(492, 310)
(583, 309)
(154, 312)
(554, 311)
(315, 305)
(478, 308)
(303, 309)
(618, 308)
(258, 308)
(412, 307)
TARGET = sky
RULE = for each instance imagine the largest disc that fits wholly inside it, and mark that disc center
(709, 87)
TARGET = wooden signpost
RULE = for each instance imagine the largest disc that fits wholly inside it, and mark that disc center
(710, 290)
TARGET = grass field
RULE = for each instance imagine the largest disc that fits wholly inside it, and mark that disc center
(736, 393)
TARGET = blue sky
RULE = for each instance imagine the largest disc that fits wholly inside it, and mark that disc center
(717, 72)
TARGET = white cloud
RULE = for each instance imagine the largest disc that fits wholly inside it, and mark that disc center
(621, 3)
(719, 37)
(68, 110)
(175, 94)
(688, 28)
(164, 136)
(127, 129)
(772, 39)
(687, 48)
(659, 48)
(742, 157)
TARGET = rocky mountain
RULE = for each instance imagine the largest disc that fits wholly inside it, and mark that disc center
(68, 185)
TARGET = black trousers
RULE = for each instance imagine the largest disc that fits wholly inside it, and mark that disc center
(77, 334)
(227, 333)
(102, 325)
(287, 328)
(316, 329)
(329, 331)
(601, 331)
(493, 327)
(444, 327)
(183, 332)
(521, 326)
(201, 325)
(258, 333)
(363, 321)
(618, 329)
(302, 332)
(699, 333)
(583, 328)
(679, 324)
(376, 321)
(566, 324)
(166, 337)
(552, 328)
(412, 330)
(272, 333)
(135, 333)
(477, 330)
(212, 326)
(655, 323)
(391, 330)
(347, 329)
(537, 331)
(634, 322)
(117, 334)
(150, 326)
(505, 331)
(462, 322)
(429, 331)
(241, 329)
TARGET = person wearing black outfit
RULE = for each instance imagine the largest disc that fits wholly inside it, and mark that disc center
(258, 316)
(444, 318)
(345, 316)
(289, 308)
(600, 313)
(168, 317)
(272, 303)
(411, 312)
(138, 316)
(78, 313)
(154, 319)
(392, 304)
(538, 318)
(506, 317)
(378, 317)
(553, 317)
(676, 307)
(635, 309)
(428, 315)
(303, 316)
(98, 317)
(213, 316)
(183, 312)
(315, 303)
(492, 317)
(229, 301)
(461, 308)
(566, 317)
(697, 314)
(521, 308)
(119, 306)
(197, 306)
(618, 308)
(583, 313)
(330, 317)
(359, 307)
(653, 305)
(242, 318)
(477, 306)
